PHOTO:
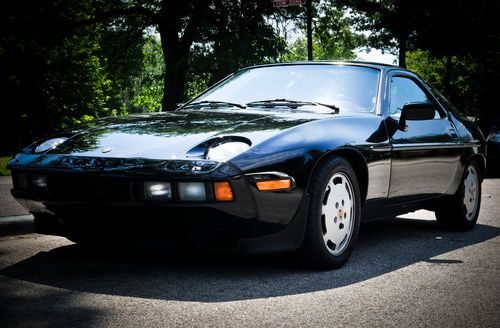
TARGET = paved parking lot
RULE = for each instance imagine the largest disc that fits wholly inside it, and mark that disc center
(404, 272)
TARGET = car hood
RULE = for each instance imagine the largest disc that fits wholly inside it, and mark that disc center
(171, 135)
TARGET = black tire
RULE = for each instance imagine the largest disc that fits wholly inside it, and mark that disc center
(453, 213)
(317, 251)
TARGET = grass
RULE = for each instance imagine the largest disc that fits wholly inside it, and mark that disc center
(3, 164)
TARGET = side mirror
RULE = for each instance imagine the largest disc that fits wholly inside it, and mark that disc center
(416, 111)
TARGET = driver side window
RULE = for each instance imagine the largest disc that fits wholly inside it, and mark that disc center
(404, 90)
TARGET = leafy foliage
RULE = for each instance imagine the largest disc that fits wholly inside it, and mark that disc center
(333, 38)
(460, 85)
(461, 31)
(391, 24)
(50, 79)
(237, 34)
(3, 165)
(147, 86)
(455, 39)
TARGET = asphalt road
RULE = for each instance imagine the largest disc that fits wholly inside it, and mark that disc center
(404, 272)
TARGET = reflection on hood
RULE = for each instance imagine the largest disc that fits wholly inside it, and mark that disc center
(170, 135)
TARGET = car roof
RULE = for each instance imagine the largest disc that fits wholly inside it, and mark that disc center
(380, 66)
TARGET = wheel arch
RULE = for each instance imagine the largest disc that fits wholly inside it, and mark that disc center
(355, 159)
(480, 160)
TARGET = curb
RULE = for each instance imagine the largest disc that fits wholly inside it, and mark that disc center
(18, 219)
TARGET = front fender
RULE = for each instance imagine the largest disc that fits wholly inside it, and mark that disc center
(297, 151)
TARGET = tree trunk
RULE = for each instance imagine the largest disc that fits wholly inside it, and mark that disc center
(175, 57)
(402, 51)
(447, 75)
(176, 48)
(309, 30)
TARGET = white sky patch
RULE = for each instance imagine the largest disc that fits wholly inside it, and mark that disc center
(376, 56)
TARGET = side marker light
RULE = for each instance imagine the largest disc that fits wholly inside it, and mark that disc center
(274, 184)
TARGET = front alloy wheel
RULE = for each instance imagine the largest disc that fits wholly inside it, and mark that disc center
(334, 214)
(337, 213)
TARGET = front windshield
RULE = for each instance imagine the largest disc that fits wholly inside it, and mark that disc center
(350, 88)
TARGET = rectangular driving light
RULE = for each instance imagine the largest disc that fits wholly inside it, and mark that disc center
(157, 190)
(223, 191)
(279, 184)
(39, 182)
(192, 191)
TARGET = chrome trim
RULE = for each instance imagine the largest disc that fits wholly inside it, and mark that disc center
(432, 145)
(472, 143)
(380, 148)
(274, 174)
(378, 104)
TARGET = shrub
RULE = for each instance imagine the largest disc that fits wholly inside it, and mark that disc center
(3, 165)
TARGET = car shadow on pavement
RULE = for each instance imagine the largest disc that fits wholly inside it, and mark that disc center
(383, 247)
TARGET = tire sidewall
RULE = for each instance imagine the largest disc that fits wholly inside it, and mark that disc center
(326, 172)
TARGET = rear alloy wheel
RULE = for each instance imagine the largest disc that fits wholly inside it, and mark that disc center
(461, 210)
(334, 214)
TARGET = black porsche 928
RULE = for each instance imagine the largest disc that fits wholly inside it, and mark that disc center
(273, 158)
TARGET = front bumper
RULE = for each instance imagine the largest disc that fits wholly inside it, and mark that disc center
(111, 205)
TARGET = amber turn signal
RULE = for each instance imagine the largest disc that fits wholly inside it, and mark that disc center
(223, 191)
(274, 184)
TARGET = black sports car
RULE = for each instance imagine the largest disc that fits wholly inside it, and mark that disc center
(273, 158)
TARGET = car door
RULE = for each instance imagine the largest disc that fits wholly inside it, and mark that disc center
(426, 154)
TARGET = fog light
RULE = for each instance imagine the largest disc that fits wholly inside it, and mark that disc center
(223, 191)
(192, 191)
(39, 181)
(157, 190)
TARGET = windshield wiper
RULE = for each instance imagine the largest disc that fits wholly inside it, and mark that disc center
(289, 103)
(212, 104)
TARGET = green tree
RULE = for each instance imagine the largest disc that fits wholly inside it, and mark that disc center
(461, 33)
(147, 87)
(333, 38)
(122, 53)
(67, 61)
(391, 24)
(457, 40)
(49, 79)
(236, 34)
(460, 87)
(181, 24)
